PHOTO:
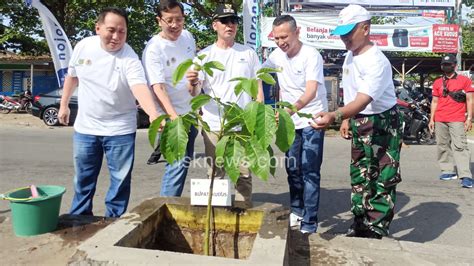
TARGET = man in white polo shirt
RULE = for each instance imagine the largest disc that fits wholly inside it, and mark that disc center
(371, 118)
(301, 83)
(109, 77)
(239, 61)
(163, 53)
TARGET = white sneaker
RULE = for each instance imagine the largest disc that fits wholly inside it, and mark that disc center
(305, 232)
(295, 220)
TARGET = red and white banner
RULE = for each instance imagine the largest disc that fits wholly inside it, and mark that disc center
(316, 31)
(445, 38)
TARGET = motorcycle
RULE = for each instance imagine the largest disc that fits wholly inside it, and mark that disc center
(24, 103)
(416, 120)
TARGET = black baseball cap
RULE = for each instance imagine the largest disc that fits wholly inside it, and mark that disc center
(224, 11)
(448, 59)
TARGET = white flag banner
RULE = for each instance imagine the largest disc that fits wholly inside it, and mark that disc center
(58, 43)
(250, 23)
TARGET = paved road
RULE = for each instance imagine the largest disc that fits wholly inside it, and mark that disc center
(428, 210)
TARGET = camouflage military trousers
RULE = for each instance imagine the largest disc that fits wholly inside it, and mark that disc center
(375, 167)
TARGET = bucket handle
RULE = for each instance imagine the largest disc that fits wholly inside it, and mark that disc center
(4, 196)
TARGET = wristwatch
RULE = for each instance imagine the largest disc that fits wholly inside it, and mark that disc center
(339, 116)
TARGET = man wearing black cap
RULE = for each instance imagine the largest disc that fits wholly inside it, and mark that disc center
(239, 61)
(451, 115)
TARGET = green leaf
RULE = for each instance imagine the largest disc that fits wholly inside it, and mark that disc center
(273, 161)
(250, 86)
(233, 111)
(287, 105)
(153, 129)
(285, 134)
(208, 71)
(164, 147)
(306, 115)
(205, 125)
(265, 126)
(258, 158)
(214, 65)
(267, 78)
(234, 116)
(178, 74)
(268, 70)
(238, 79)
(190, 119)
(250, 115)
(201, 56)
(176, 141)
(220, 149)
(199, 101)
(234, 153)
(238, 88)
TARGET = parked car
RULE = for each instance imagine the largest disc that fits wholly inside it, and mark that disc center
(46, 107)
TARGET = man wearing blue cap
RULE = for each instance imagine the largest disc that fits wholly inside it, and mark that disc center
(371, 118)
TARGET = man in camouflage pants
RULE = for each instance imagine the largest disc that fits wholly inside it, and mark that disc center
(371, 118)
(376, 141)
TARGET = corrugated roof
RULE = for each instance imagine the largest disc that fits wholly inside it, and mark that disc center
(7, 57)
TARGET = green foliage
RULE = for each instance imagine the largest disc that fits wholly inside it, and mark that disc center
(153, 129)
(468, 40)
(25, 35)
(245, 135)
(181, 71)
(286, 130)
(199, 21)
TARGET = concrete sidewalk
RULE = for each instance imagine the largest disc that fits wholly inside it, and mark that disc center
(433, 224)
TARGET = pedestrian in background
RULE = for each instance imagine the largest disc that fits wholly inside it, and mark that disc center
(301, 83)
(450, 119)
(163, 53)
(371, 119)
(109, 77)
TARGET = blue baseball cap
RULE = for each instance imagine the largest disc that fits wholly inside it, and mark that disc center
(349, 17)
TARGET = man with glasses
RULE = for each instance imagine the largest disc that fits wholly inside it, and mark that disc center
(451, 115)
(371, 118)
(239, 61)
(163, 53)
(301, 83)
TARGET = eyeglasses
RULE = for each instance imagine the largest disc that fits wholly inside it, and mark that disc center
(175, 21)
(227, 20)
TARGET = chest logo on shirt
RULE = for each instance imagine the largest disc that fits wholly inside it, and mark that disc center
(242, 60)
(82, 61)
(346, 71)
(171, 61)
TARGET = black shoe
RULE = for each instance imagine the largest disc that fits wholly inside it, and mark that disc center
(352, 232)
(155, 156)
(372, 234)
(358, 228)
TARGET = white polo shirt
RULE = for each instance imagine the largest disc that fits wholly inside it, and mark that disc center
(160, 59)
(369, 73)
(239, 61)
(305, 66)
(106, 104)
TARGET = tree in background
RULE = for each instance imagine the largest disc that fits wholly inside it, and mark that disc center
(22, 31)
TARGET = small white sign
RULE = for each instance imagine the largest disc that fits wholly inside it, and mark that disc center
(220, 195)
